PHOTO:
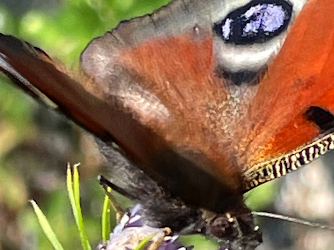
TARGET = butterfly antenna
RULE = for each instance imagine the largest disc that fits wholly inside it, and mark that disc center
(293, 220)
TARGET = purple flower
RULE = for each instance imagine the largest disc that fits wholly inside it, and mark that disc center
(131, 231)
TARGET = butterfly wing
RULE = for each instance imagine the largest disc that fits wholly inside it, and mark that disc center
(171, 80)
(154, 86)
(109, 120)
(299, 91)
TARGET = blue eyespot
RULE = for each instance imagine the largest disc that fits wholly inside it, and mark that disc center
(256, 22)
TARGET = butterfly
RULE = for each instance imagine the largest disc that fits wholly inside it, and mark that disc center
(198, 104)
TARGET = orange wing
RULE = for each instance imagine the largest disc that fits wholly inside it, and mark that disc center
(298, 81)
(300, 77)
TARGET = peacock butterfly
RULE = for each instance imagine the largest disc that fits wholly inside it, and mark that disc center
(207, 100)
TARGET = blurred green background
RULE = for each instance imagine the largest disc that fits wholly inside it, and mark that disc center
(36, 144)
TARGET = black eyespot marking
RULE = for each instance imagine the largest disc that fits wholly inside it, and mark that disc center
(256, 22)
(250, 78)
(240, 77)
(321, 117)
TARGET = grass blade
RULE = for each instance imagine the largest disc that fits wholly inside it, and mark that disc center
(45, 225)
(73, 189)
(144, 242)
(106, 229)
